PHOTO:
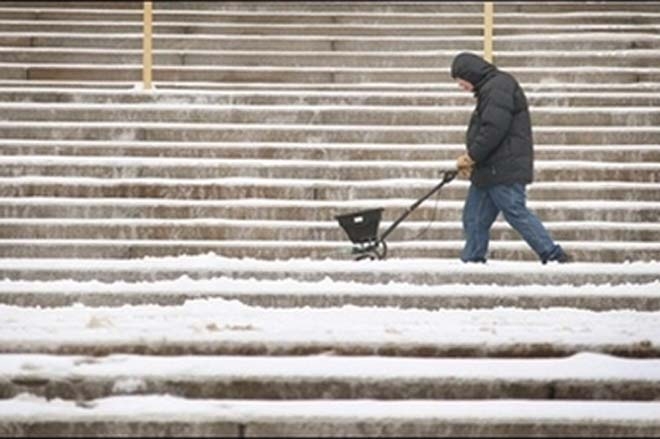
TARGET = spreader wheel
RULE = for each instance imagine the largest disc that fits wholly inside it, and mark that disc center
(371, 256)
(374, 253)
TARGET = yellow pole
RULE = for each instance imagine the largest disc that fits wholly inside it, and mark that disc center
(488, 31)
(146, 46)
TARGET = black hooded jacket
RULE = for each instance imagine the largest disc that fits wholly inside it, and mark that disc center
(499, 137)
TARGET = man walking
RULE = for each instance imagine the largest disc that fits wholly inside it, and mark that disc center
(499, 160)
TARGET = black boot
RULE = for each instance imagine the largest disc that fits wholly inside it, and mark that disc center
(560, 256)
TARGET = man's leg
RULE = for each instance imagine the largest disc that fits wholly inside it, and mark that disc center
(479, 213)
(511, 200)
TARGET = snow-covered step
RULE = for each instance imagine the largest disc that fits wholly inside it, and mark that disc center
(211, 7)
(306, 189)
(219, 229)
(226, 132)
(181, 417)
(190, 168)
(599, 40)
(584, 376)
(444, 96)
(354, 115)
(474, 28)
(307, 210)
(54, 15)
(195, 87)
(221, 327)
(599, 295)
(223, 73)
(412, 271)
(347, 6)
(514, 249)
(305, 59)
(648, 153)
(434, 13)
(568, 7)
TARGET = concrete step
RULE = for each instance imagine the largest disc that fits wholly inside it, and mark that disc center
(306, 210)
(583, 376)
(296, 294)
(432, 99)
(369, 277)
(346, 6)
(278, 58)
(95, 72)
(219, 132)
(77, 16)
(432, 16)
(516, 250)
(185, 168)
(290, 6)
(446, 27)
(180, 417)
(302, 189)
(601, 40)
(305, 151)
(443, 85)
(187, 21)
(220, 327)
(68, 5)
(212, 230)
(317, 115)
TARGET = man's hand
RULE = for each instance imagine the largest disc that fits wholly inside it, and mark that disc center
(464, 164)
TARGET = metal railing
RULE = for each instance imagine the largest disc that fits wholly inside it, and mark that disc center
(147, 47)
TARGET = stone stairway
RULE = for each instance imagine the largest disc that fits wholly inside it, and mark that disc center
(267, 120)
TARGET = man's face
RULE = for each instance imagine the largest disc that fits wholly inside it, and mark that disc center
(465, 85)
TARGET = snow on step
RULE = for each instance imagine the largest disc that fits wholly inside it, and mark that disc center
(169, 162)
(289, 293)
(607, 251)
(158, 414)
(419, 271)
(582, 376)
(209, 86)
(258, 203)
(217, 326)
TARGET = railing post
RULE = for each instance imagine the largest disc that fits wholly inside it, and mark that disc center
(146, 46)
(488, 31)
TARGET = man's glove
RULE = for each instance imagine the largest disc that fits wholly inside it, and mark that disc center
(464, 164)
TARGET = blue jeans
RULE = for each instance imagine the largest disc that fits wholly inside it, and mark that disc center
(482, 206)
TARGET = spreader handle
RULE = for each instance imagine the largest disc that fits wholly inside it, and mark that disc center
(448, 176)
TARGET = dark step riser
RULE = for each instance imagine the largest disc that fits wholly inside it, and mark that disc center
(329, 388)
(483, 277)
(344, 116)
(292, 75)
(275, 300)
(625, 154)
(338, 173)
(326, 60)
(372, 99)
(116, 251)
(318, 44)
(292, 212)
(320, 135)
(228, 191)
(514, 350)
(250, 232)
(265, 427)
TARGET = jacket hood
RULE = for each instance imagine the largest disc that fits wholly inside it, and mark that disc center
(471, 68)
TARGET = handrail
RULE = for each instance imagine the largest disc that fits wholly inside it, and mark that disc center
(488, 31)
(147, 46)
